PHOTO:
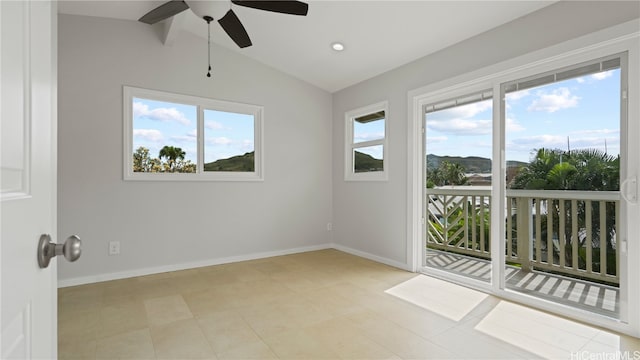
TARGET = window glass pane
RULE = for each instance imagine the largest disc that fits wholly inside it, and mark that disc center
(368, 159)
(368, 127)
(565, 135)
(458, 142)
(164, 136)
(228, 141)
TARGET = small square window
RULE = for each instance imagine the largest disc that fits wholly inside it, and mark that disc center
(366, 143)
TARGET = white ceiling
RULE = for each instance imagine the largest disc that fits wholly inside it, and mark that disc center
(378, 35)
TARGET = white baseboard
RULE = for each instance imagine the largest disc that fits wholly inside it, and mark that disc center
(373, 257)
(184, 266)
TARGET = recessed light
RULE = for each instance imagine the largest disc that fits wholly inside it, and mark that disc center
(337, 46)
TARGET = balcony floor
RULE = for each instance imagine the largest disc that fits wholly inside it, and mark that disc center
(591, 296)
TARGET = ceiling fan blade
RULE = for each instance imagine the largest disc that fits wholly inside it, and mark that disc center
(291, 7)
(164, 11)
(233, 27)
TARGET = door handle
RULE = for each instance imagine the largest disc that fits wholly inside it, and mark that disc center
(71, 249)
(629, 190)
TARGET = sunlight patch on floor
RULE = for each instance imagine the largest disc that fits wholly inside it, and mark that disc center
(535, 331)
(446, 299)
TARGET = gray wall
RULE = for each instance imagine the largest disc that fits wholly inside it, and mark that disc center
(165, 224)
(304, 185)
(371, 217)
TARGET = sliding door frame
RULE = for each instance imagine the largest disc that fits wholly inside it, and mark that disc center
(619, 39)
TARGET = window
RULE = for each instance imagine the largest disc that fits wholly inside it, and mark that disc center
(366, 143)
(458, 140)
(179, 137)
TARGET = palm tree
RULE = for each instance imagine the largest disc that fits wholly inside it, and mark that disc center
(172, 154)
(586, 170)
(447, 173)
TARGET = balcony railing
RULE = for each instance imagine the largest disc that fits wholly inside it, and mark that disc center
(566, 232)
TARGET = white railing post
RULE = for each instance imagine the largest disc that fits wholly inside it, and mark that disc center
(524, 232)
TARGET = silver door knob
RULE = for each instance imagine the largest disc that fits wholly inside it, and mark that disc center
(71, 249)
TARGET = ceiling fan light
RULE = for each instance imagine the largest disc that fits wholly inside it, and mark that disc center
(337, 46)
(206, 8)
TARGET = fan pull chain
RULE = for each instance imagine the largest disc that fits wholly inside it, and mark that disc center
(208, 19)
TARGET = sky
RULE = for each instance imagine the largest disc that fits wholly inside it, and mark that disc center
(586, 110)
(372, 130)
(158, 123)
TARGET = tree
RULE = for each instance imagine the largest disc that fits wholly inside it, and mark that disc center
(585, 170)
(447, 173)
(554, 169)
(173, 155)
(142, 162)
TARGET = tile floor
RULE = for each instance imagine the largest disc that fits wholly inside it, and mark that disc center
(317, 305)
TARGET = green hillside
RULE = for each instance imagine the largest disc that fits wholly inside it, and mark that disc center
(472, 164)
(516, 164)
(244, 163)
(365, 163)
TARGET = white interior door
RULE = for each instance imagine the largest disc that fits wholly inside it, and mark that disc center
(28, 118)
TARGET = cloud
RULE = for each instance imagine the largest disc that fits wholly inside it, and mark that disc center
(517, 95)
(182, 138)
(514, 126)
(159, 114)
(602, 75)
(537, 142)
(247, 145)
(436, 139)
(553, 101)
(461, 126)
(214, 125)
(595, 77)
(596, 132)
(465, 111)
(148, 134)
(460, 120)
(219, 141)
(191, 136)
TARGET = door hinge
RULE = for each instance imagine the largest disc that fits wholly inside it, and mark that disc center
(624, 94)
(422, 220)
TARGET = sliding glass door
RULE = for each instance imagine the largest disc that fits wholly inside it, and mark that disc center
(563, 170)
(458, 140)
(546, 220)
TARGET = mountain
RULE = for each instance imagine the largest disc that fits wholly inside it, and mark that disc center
(365, 162)
(472, 164)
(235, 163)
(516, 163)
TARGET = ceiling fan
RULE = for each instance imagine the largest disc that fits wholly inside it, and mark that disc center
(229, 22)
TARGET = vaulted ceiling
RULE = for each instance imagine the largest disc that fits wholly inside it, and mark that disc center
(378, 35)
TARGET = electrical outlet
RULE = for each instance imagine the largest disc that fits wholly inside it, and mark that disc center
(114, 247)
(329, 226)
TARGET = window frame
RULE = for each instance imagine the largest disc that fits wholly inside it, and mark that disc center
(201, 104)
(350, 145)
